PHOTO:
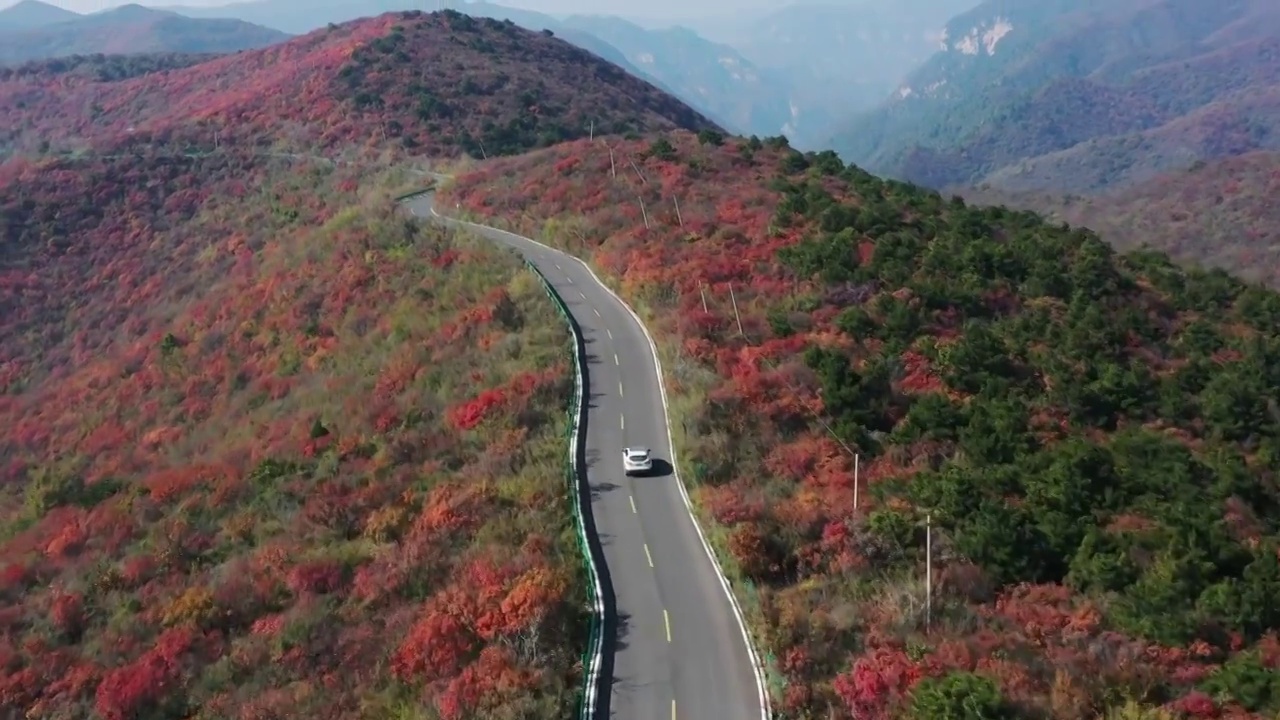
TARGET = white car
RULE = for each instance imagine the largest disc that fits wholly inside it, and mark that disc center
(636, 460)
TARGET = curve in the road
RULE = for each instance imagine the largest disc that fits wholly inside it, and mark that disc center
(675, 640)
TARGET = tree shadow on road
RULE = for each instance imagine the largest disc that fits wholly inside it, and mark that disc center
(614, 627)
(600, 488)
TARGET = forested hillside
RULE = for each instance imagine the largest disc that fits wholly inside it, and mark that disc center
(1219, 214)
(430, 84)
(1080, 97)
(270, 449)
(277, 451)
(1091, 434)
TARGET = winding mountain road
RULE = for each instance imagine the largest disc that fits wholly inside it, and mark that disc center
(674, 644)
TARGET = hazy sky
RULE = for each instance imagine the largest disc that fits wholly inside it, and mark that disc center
(635, 8)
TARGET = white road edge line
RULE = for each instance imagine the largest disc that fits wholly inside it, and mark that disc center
(756, 665)
(684, 493)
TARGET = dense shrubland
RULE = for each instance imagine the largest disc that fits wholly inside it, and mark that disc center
(436, 85)
(272, 449)
(1093, 434)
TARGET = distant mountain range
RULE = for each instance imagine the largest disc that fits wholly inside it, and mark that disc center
(30, 14)
(33, 30)
(1080, 95)
(843, 58)
(797, 70)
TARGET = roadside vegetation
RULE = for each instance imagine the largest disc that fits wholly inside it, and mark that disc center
(273, 450)
(1093, 435)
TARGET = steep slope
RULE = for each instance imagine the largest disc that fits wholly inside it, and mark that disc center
(1221, 214)
(79, 69)
(30, 14)
(1090, 433)
(271, 448)
(134, 29)
(437, 84)
(1093, 81)
(678, 61)
(713, 76)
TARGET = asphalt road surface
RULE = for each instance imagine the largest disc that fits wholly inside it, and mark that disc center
(674, 649)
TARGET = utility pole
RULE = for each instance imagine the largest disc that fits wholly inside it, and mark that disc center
(638, 173)
(855, 481)
(736, 316)
(592, 136)
(613, 169)
(678, 217)
(702, 290)
(643, 213)
(928, 572)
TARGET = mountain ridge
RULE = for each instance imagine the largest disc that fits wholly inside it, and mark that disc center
(30, 14)
(328, 87)
(1036, 89)
(133, 29)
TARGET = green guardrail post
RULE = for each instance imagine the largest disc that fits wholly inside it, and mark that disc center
(595, 624)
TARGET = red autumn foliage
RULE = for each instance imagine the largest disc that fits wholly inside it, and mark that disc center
(768, 466)
(320, 577)
(472, 413)
(435, 648)
(357, 83)
(1196, 704)
(876, 681)
(67, 613)
(128, 691)
(164, 418)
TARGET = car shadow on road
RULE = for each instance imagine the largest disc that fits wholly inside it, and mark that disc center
(661, 468)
